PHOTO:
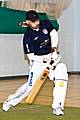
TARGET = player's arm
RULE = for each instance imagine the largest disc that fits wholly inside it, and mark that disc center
(54, 40)
(53, 35)
(27, 47)
(55, 57)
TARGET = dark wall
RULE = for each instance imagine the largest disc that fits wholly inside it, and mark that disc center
(10, 18)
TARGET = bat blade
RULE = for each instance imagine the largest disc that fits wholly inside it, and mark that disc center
(37, 87)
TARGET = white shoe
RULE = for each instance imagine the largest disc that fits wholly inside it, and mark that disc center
(58, 111)
(6, 106)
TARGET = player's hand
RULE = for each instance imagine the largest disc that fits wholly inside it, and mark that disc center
(55, 59)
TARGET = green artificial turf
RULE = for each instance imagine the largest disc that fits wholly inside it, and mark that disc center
(38, 112)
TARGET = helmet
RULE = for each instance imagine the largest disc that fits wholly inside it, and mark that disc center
(32, 15)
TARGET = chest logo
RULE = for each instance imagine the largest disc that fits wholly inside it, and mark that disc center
(45, 31)
(35, 38)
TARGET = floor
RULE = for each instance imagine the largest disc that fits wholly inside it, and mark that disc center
(10, 85)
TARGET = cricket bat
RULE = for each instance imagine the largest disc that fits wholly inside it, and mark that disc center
(37, 87)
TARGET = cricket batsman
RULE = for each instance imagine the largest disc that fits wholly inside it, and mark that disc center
(40, 43)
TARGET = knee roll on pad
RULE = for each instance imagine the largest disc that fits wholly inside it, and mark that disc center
(62, 67)
(61, 72)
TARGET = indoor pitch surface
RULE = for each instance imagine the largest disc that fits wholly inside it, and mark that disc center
(38, 112)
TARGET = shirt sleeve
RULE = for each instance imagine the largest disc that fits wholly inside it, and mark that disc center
(53, 34)
(54, 38)
(27, 44)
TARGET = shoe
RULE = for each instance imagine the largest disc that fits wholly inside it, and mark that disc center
(6, 106)
(58, 111)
